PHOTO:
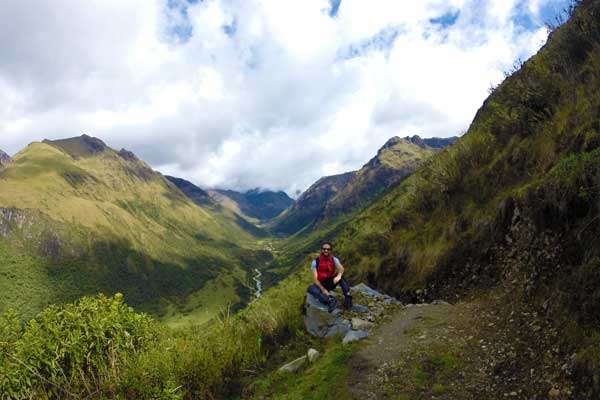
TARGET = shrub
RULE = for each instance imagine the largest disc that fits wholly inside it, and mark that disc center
(71, 351)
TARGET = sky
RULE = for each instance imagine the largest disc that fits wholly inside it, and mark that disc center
(240, 94)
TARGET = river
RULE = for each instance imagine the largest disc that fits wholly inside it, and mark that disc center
(256, 279)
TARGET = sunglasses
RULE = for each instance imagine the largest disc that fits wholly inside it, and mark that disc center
(326, 248)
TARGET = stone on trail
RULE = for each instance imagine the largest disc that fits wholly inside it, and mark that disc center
(313, 355)
(354, 336)
(294, 365)
(359, 308)
(360, 324)
(320, 322)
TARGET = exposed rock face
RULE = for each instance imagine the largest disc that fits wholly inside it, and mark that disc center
(4, 158)
(435, 142)
(127, 155)
(11, 219)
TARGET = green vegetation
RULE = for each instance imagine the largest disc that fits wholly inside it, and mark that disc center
(526, 173)
(322, 380)
(100, 347)
(71, 351)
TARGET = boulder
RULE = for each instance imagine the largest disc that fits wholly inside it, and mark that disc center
(313, 355)
(367, 291)
(354, 336)
(294, 365)
(320, 322)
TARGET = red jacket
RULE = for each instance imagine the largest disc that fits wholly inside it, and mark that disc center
(325, 267)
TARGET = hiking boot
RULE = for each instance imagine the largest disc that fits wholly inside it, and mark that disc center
(348, 302)
(332, 304)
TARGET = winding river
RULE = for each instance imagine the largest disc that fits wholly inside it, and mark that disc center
(256, 279)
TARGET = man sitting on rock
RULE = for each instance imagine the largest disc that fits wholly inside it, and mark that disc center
(325, 277)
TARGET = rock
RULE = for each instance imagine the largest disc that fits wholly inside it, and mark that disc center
(340, 327)
(367, 291)
(360, 309)
(313, 355)
(360, 324)
(553, 393)
(320, 322)
(294, 365)
(440, 303)
(354, 336)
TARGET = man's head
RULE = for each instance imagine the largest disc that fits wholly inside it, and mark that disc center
(326, 248)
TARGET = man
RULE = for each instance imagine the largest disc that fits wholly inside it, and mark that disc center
(328, 273)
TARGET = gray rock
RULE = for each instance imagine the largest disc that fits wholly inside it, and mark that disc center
(294, 365)
(360, 324)
(367, 291)
(440, 303)
(359, 308)
(341, 327)
(320, 322)
(313, 355)
(354, 336)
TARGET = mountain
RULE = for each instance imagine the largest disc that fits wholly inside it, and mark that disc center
(192, 191)
(4, 158)
(254, 204)
(339, 194)
(77, 217)
(311, 204)
(509, 214)
(435, 142)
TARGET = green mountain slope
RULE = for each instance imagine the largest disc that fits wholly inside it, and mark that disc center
(253, 205)
(515, 203)
(342, 194)
(89, 219)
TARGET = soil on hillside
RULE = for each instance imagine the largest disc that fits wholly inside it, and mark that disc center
(461, 351)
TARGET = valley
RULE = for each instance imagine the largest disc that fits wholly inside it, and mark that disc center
(490, 241)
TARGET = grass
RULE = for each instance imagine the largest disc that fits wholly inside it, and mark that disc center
(322, 380)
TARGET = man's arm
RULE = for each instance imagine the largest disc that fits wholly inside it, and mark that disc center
(340, 272)
(316, 280)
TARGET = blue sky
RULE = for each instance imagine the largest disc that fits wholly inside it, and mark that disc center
(210, 89)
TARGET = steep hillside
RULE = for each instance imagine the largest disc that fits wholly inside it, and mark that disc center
(256, 204)
(514, 204)
(310, 204)
(334, 195)
(197, 195)
(4, 158)
(77, 217)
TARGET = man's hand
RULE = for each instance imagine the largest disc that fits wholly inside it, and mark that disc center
(337, 279)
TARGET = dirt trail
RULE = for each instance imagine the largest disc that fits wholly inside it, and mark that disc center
(428, 351)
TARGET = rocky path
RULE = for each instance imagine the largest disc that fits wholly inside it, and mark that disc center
(426, 351)
(461, 351)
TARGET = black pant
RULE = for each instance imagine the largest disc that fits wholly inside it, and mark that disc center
(329, 285)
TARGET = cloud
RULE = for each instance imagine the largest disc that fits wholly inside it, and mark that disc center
(269, 93)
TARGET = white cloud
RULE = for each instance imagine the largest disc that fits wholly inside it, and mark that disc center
(249, 93)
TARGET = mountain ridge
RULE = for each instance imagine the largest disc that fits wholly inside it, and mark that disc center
(334, 195)
(114, 224)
